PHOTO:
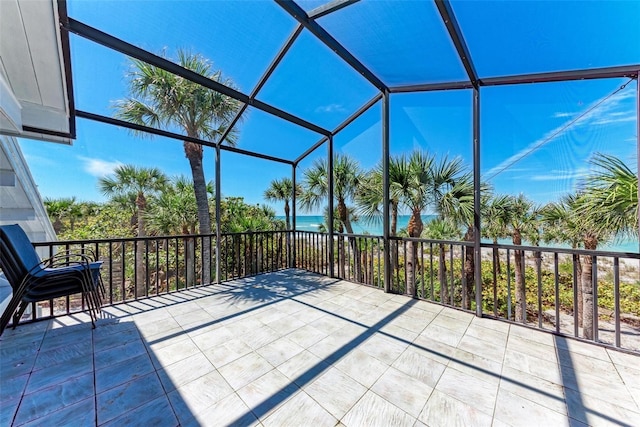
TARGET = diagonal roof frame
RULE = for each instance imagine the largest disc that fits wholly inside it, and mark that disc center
(128, 49)
(448, 17)
(341, 126)
(330, 7)
(263, 80)
(316, 29)
(451, 23)
(172, 135)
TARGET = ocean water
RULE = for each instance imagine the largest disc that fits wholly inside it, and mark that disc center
(313, 222)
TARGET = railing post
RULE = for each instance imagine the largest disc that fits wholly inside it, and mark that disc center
(477, 273)
(291, 245)
(218, 231)
(330, 203)
(385, 191)
(638, 145)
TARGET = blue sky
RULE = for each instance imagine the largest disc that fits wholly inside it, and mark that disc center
(536, 139)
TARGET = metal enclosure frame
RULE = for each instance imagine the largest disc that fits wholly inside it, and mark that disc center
(308, 21)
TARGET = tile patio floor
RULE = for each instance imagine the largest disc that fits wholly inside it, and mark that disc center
(297, 349)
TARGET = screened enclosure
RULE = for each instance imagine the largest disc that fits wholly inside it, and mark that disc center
(498, 101)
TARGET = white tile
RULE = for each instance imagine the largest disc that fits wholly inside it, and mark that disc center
(198, 395)
(361, 367)
(230, 411)
(227, 352)
(373, 411)
(82, 414)
(211, 338)
(279, 351)
(384, 349)
(303, 367)
(260, 337)
(306, 336)
(335, 391)
(300, 410)
(410, 323)
(624, 359)
(443, 410)
(114, 402)
(535, 389)
(157, 413)
(532, 365)
(402, 390)
(532, 348)
(122, 372)
(267, 393)
(242, 371)
(532, 335)
(417, 365)
(513, 408)
(467, 388)
(180, 350)
(444, 335)
(476, 366)
(184, 371)
(55, 398)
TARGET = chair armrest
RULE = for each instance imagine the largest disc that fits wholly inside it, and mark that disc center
(66, 257)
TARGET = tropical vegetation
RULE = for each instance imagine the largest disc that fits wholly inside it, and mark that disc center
(162, 99)
(144, 202)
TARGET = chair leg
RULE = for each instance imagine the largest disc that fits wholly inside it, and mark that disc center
(18, 314)
(8, 313)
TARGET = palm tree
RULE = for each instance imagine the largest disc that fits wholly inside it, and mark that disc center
(58, 209)
(175, 212)
(442, 229)
(456, 205)
(347, 177)
(370, 194)
(521, 218)
(612, 191)
(563, 224)
(495, 217)
(423, 184)
(608, 206)
(281, 190)
(370, 198)
(162, 99)
(346, 180)
(130, 180)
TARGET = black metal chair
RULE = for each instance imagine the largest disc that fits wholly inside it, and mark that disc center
(66, 273)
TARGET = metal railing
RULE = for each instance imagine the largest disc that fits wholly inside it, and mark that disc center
(140, 267)
(251, 253)
(593, 295)
(312, 251)
(433, 270)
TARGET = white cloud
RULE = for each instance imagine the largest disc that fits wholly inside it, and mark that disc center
(331, 108)
(616, 118)
(605, 110)
(563, 114)
(554, 175)
(98, 167)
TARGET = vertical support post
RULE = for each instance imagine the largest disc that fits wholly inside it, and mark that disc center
(294, 202)
(218, 231)
(330, 202)
(385, 191)
(638, 145)
(477, 258)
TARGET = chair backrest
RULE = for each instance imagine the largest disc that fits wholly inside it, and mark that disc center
(17, 254)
